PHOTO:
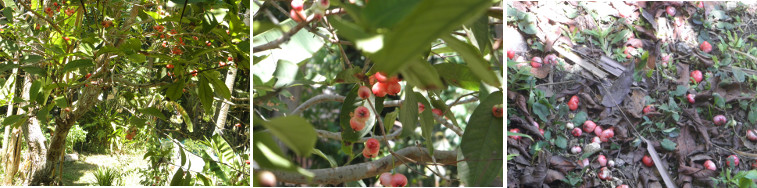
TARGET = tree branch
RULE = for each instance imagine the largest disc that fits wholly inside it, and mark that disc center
(367, 169)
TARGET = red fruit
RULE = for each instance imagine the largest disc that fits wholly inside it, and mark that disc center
(604, 174)
(515, 130)
(575, 149)
(510, 54)
(709, 165)
(221, 64)
(67, 109)
(497, 111)
(393, 88)
(573, 103)
(622, 186)
(65, 38)
(550, 59)
(372, 145)
(362, 113)
(589, 126)
(671, 10)
(536, 62)
(602, 160)
(700, 4)
(367, 154)
(598, 131)
(379, 89)
(705, 47)
(386, 179)
(690, 97)
(541, 131)
(751, 135)
(648, 108)
(247, 161)
(719, 120)
(364, 92)
(297, 15)
(421, 107)
(230, 58)
(170, 66)
(55, 4)
(647, 160)
(733, 158)
(437, 112)
(194, 37)
(399, 180)
(193, 72)
(207, 43)
(383, 78)
(606, 135)
(629, 51)
(696, 76)
(236, 125)
(88, 75)
(356, 125)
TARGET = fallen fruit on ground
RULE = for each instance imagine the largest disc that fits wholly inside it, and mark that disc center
(647, 160)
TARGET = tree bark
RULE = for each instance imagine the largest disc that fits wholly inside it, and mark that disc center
(9, 113)
(231, 75)
(12, 157)
(368, 169)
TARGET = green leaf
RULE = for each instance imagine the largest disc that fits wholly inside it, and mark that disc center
(421, 74)
(31, 59)
(375, 12)
(175, 90)
(479, 31)
(519, 134)
(668, 145)
(153, 112)
(286, 72)
(427, 126)
(294, 131)
(348, 75)
(205, 180)
(482, 144)
(560, 142)
(719, 101)
(541, 110)
(473, 59)
(184, 115)
(389, 120)
(223, 149)
(752, 116)
(680, 90)
(183, 157)
(178, 178)
(427, 21)
(458, 75)
(11, 119)
(349, 105)
(79, 63)
(205, 94)
(739, 74)
(409, 111)
(580, 118)
(218, 85)
(35, 89)
(329, 159)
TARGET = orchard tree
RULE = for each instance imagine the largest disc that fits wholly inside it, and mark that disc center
(390, 92)
(150, 60)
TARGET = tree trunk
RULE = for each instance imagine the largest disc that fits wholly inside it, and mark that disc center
(35, 141)
(12, 157)
(231, 75)
(7, 135)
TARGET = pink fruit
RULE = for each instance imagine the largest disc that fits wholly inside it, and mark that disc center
(584, 162)
(598, 131)
(622, 186)
(437, 112)
(606, 135)
(364, 92)
(647, 160)
(733, 158)
(577, 132)
(604, 174)
(510, 54)
(515, 130)
(589, 126)
(596, 140)
(393, 88)
(386, 179)
(709, 165)
(751, 135)
(705, 47)
(421, 107)
(356, 125)
(536, 62)
(372, 145)
(690, 97)
(696, 76)
(297, 4)
(297, 15)
(399, 180)
(497, 112)
(575, 149)
(648, 108)
(541, 131)
(367, 154)
(379, 89)
(719, 120)
(361, 113)
(550, 59)
(671, 10)
(573, 103)
(700, 4)
(602, 160)
(383, 78)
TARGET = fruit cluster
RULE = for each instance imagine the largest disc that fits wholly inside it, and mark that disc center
(383, 85)
(319, 10)
(361, 114)
(389, 180)
(371, 148)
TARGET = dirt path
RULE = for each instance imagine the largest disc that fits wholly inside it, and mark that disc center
(81, 173)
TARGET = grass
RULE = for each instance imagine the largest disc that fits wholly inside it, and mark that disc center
(81, 173)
